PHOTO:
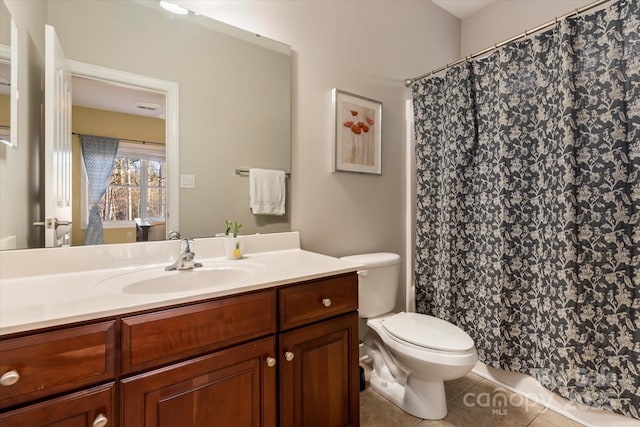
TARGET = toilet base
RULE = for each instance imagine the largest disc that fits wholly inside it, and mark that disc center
(420, 398)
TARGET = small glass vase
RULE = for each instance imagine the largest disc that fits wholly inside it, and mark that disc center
(233, 247)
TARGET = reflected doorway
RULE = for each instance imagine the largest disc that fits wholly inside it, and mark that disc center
(141, 113)
(134, 207)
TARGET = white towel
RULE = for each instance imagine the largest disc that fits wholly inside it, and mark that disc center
(267, 191)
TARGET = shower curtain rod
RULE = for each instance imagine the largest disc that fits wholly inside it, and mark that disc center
(577, 12)
(137, 141)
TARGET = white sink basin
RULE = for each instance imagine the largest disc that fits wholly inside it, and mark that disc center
(159, 281)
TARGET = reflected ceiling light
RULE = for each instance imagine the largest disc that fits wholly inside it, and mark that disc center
(173, 8)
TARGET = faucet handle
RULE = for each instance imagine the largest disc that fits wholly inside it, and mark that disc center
(174, 235)
(186, 245)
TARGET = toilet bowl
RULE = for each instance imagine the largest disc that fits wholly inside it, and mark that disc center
(412, 354)
(410, 370)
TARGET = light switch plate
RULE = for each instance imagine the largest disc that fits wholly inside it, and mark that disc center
(187, 181)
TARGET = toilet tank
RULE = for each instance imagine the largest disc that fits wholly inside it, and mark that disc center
(377, 282)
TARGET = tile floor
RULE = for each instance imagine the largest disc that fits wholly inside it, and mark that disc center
(469, 401)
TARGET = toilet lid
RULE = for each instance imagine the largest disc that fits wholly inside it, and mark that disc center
(428, 332)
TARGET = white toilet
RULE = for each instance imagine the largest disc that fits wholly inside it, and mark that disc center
(412, 354)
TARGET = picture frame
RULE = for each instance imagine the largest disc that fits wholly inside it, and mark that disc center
(357, 141)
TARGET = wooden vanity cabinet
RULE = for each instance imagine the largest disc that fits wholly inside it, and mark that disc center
(283, 356)
(316, 367)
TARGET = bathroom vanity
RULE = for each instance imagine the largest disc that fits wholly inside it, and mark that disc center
(277, 347)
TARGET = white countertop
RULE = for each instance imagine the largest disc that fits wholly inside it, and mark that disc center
(29, 302)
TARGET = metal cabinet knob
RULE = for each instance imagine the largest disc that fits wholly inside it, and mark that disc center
(9, 378)
(326, 302)
(271, 362)
(100, 421)
(289, 356)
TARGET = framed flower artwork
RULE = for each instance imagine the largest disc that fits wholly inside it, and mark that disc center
(357, 145)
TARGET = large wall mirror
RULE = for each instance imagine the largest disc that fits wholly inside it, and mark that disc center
(233, 112)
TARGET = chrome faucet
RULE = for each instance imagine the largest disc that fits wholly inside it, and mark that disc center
(185, 259)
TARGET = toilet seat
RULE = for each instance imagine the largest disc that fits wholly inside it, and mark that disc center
(427, 332)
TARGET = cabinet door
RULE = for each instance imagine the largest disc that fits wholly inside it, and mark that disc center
(233, 387)
(319, 376)
(92, 407)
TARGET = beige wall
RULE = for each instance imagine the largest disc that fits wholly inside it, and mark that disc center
(505, 19)
(90, 121)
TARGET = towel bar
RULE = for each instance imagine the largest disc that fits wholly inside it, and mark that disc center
(243, 172)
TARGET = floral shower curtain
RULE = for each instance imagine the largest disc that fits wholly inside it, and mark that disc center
(528, 205)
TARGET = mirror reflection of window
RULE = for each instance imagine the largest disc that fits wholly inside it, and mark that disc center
(137, 188)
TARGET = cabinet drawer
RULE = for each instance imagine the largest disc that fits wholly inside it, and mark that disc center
(152, 339)
(84, 408)
(317, 300)
(58, 361)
